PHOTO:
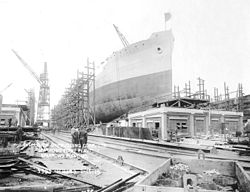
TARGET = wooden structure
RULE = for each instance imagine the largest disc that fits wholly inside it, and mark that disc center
(74, 108)
(197, 166)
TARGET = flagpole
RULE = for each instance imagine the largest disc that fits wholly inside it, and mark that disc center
(167, 16)
(165, 23)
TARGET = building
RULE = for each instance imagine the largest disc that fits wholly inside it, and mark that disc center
(16, 114)
(163, 121)
(235, 104)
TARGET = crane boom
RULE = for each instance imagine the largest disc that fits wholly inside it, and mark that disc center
(121, 36)
(27, 67)
(6, 87)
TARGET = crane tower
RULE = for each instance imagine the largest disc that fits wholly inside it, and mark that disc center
(43, 108)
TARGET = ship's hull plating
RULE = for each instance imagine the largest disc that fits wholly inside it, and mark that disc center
(118, 98)
(135, 76)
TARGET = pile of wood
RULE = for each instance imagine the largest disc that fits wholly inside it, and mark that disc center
(119, 185)
(25, 129)
(14, 164)
(11, 164)
(11, 135)
(9, 161)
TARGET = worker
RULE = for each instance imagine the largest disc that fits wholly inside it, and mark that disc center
(10, 122)
(83, 138)
(72, 131)
(75, 138)
(86, 136)
(19, 134)
(53, 130)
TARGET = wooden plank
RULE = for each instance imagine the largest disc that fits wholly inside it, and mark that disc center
(242, 176)
(13, 129)
(109, 185)
(146, 188)
(113, 187)
(241, 147)
(8, 165)
(152, 177)
(12, 156)
(31, 171)
(29, 188)
(35, 165)
(73, 189)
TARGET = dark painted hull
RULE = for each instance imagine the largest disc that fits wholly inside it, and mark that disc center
(115, 99)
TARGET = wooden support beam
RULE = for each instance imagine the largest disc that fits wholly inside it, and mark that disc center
(113, 187)
(75, 189)
(109, 185)
(35, 165)
(28, 188)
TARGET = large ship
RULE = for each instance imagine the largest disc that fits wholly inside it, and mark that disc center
(134, 76)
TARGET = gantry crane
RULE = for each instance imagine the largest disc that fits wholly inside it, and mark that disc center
(43, 109)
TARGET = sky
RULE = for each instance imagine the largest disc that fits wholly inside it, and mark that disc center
(212, 40)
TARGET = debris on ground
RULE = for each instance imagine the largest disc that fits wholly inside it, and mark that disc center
(39, 165)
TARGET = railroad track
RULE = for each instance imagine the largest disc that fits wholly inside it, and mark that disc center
(138, 146)
(158, 151)
(141, 149)
(93, 165)
(119, 162)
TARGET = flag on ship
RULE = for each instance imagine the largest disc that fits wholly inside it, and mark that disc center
(167, 16)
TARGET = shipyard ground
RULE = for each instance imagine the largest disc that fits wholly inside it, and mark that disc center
(105, 161)
(97, 166)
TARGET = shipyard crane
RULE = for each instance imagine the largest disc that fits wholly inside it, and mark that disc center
(121, 36)
(43, 109)
(6, 88)
(27, 67)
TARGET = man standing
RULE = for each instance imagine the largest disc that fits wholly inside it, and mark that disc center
(76, 139)
(19, 134)
(83, 138)
(10, 122)
(72, 132)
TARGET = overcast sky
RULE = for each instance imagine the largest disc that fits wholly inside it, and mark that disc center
(212, 39)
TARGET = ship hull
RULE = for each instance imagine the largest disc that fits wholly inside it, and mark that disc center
(115, 99)
(134, 77)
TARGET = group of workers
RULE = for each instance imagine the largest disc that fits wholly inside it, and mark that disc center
(79, 136)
